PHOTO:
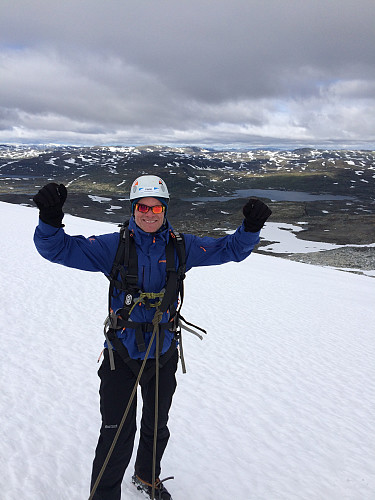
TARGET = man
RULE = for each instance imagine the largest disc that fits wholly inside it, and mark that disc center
(132, 318)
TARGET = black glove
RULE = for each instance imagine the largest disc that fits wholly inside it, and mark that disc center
(256, 213)
(50, 200)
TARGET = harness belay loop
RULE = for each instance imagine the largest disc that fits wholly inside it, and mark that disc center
(123, 279)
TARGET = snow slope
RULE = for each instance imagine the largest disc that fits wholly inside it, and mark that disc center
(277, 404)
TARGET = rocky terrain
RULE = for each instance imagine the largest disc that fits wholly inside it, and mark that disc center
(348, 258)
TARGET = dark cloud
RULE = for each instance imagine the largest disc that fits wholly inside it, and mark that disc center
(189, 69)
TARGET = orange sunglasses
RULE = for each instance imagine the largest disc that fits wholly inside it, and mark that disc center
(156, 209)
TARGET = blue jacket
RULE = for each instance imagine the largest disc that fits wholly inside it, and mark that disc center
(97, 253)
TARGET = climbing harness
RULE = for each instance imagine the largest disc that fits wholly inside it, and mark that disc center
(124, 280)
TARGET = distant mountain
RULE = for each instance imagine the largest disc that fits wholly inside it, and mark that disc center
(193, 170)
(99, 178)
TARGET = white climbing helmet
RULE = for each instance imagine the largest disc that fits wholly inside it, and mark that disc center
(149, 185)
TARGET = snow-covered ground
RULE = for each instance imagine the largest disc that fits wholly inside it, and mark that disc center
(284, 240)
(278, 402)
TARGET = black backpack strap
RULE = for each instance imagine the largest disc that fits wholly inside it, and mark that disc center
(174, 287)
(181, 254)
(124, 274)
(120, 253)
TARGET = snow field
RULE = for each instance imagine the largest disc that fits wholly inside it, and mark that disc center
(277, 403)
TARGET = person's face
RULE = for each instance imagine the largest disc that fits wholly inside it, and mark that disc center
(149, 222)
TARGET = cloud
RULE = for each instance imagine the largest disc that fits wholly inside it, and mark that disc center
(213, 70)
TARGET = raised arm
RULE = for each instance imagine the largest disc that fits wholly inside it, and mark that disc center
(89, 254)
(235, 247)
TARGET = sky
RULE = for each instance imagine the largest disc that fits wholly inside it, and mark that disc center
(188, 72)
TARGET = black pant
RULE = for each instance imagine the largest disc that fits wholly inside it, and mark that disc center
(115, 389)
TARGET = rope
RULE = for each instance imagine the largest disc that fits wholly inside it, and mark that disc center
(147, 295)
(156, 320)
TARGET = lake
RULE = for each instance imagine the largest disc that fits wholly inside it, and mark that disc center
(273, 194)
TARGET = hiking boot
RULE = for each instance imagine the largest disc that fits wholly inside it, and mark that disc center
(161, 492)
